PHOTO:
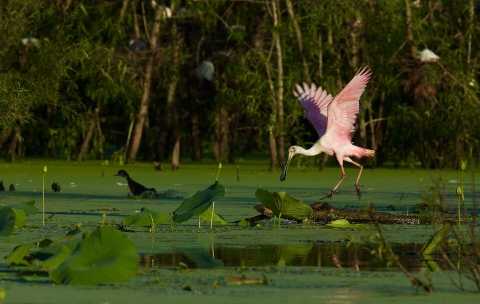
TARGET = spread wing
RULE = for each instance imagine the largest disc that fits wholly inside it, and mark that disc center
(342, 111)
(315, 102)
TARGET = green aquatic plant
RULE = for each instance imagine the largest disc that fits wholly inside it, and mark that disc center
(198, 203)
(105, 255)
(345, 224)
(145, 218)
(9, 219)
(43, 195)
(210, 216)
(436, 240)
(14, 215)
(283, 204)
(27, 207)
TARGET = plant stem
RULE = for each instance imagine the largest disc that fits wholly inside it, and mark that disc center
(218, 173)
(43, 196)
(153, 224)
(211, 218)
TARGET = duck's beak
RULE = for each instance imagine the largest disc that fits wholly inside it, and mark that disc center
(283, 176)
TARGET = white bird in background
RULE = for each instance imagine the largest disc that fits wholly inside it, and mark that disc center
(205, 70)
(334, 119)
(427, 56)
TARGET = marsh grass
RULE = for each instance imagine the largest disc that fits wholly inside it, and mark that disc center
(457, 245)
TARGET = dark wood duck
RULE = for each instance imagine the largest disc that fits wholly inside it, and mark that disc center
(135, 187)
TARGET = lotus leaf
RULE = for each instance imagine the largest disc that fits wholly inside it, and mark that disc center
(198, 203)
(284, 204)
(207, 216)
(143, 219)
(9, 219)
(27, 207)
(17, 256)
(105, 255)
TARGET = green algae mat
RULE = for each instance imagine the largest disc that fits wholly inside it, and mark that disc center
(231, 262)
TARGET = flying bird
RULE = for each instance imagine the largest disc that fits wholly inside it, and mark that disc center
(334, 119)
(135, 187)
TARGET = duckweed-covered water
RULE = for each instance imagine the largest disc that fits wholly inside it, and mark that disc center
(185, 263)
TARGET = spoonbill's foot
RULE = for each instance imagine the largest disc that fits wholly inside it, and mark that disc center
(359, 193)
(329, 195)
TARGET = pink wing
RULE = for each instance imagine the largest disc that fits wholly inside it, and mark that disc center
(315, 102)
(342, 111)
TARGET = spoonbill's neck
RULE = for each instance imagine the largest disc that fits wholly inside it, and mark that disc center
(314, 150)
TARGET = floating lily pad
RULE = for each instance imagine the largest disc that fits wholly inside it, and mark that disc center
(143, 219)
(345, 224)
(198, 203)
(284, 204)
(105, 255)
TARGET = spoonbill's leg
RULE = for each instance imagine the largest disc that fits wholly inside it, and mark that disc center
(359, 193)
(338, 184)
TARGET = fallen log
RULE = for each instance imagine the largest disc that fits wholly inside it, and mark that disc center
(326, 213)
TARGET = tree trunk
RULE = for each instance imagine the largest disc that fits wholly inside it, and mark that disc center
(234, 122)
(78, 156)
(147, 82)
(195, 134)
(10, 156)
(220, 139)
(298, 35)
(174, 122)
(408, 17)
(273, 149)
(176, 153)
(280, 138)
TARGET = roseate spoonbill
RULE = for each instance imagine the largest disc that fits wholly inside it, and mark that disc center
(135, 187)
(333, 118)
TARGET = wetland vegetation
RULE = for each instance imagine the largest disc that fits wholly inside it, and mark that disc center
(268, 259)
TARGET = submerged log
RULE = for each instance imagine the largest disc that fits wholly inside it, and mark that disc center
(326, 213)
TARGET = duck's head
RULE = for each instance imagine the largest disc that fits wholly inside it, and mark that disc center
(121, 173)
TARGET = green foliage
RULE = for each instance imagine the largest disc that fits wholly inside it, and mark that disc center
(27, 207)
(144, 219)
(51, 89)
(105, 255)
(283, 204)
(437, 239)
(198, 203)
(345, 224)
(207, 216)
(12, 216)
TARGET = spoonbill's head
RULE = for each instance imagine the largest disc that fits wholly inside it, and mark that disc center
(291, 152)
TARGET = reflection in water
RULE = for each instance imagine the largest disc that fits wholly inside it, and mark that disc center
(317, 254)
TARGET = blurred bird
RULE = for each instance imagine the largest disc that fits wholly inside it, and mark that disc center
(12, 187)
(427, 56)
(1, 186)
(205, 70)
(56, 187)
(334, 119)
(137, 45)
(135, 187)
